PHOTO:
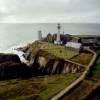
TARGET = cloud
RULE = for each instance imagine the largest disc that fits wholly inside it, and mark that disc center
(49, 11)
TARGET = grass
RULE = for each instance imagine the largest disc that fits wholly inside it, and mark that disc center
(87, 86)
(96, 71)
(83, 58)
(55, 50)
(82, 90)
(38, 88)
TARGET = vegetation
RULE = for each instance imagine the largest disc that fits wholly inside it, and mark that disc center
(82, 90)
(83, 58)
(55, 50)
(38, 88)
(96, 71)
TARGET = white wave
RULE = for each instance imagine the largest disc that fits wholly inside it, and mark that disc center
(13, 50)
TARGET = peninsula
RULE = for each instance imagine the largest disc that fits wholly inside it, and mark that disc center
(52, 66)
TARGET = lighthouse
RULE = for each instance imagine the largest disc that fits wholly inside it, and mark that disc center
(39, 35)
(58, 34)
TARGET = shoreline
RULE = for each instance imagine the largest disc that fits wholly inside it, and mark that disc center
(19, 53)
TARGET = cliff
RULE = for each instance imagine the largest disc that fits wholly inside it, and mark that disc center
(12, 67)
(42, 59)
(48, 58)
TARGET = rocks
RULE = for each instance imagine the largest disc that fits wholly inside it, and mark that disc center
(9, 57)
(42, 61)
(45, 63)
(51, 38)
(13, 70)
(11, 67)
(56, 66)
(24, 49)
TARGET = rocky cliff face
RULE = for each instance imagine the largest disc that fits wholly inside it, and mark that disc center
(44, 63)
(39, 62)
(56, 66)
(9, 57)
(11, 67)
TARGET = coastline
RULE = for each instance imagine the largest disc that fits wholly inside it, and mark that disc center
(19, 53)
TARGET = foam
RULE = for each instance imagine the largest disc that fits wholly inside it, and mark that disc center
(13, 50)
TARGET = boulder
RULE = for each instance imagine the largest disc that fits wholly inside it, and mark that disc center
(11, 69)
(9, 57)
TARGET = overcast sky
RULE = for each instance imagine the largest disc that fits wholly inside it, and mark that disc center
(28, 11)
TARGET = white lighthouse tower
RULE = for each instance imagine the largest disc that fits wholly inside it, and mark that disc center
(58, 34)
(39, 35)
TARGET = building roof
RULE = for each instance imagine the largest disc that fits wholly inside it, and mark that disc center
(74, 45)
(89, 41)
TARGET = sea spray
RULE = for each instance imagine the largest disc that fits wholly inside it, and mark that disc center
(13, 50)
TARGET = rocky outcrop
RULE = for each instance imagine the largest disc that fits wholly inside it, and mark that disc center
(9, 57)
(11, 67)
(44, 63)
(13, 70)
(56, 66)
(39, 63)
(51, 38)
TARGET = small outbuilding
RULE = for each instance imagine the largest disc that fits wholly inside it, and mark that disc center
(74, 45)
(39, 35)
(89, 42)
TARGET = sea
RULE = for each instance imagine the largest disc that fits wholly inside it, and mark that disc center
(19, 34)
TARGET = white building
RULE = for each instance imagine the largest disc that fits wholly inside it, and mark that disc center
(74, 45)
(55, 42)
(58, 34)
(39, 35)
(58, 40)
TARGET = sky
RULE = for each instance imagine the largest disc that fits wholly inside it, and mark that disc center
(49, 11)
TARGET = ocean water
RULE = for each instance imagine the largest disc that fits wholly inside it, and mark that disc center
(13, 34)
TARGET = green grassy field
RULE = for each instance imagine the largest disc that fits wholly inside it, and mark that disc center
(36, 88)
(82, 90)
(96, 71)
(83, 58)
(55, 50)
